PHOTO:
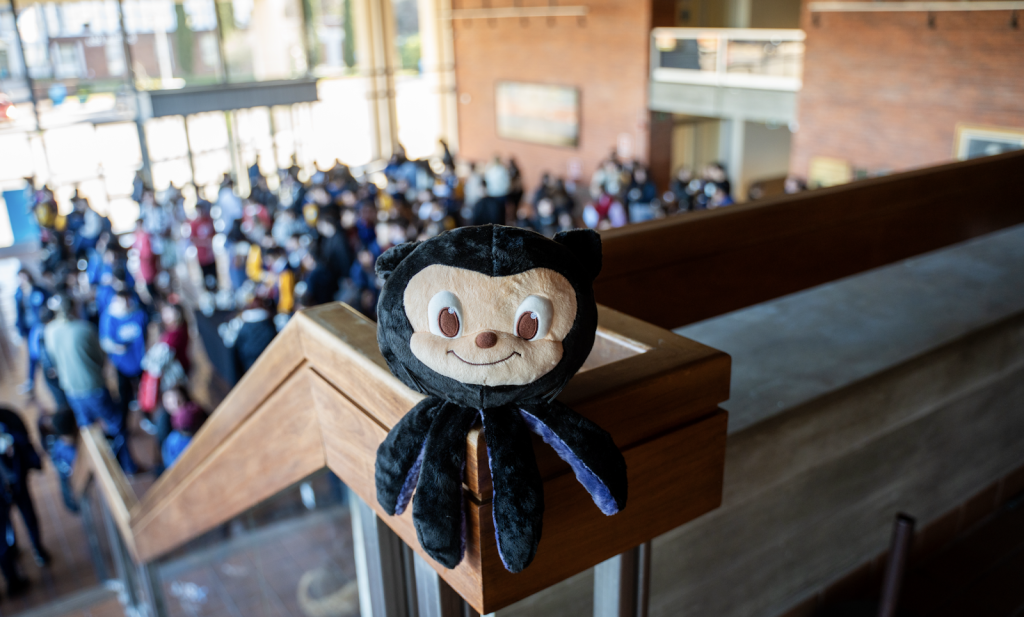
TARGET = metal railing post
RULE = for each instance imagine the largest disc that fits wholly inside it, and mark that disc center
(149, 577)
(622, 584)
(433, 596)
(89, 523)
(379, 570)
(122, 562)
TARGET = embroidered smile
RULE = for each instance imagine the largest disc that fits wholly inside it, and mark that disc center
(514, 353)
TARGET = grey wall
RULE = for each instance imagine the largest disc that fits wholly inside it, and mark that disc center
(901, 389)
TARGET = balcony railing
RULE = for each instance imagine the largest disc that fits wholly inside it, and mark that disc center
(765, 59)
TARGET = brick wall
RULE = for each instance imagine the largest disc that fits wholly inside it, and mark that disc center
(885, 92)
(605, 56)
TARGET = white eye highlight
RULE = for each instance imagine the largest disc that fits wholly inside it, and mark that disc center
(533, 318)
(444, 314)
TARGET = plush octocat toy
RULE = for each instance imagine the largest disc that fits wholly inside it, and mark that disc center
(490, 323)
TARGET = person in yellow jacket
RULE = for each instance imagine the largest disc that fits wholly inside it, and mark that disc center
(254, 263)
(280, 277)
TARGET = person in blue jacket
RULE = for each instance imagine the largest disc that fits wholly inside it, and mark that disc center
(123, 336)
(119, 278)
(29, 299)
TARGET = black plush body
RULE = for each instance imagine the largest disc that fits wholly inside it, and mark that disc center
(510, 396)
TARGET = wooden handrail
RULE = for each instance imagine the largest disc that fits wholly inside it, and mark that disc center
(97, 462)
(683, 269)
(322, 396)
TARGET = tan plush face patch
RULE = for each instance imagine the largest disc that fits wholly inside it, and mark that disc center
(489, 331)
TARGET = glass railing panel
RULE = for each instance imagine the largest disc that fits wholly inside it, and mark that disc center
(290, 555)
(733, 57)
(777, 58)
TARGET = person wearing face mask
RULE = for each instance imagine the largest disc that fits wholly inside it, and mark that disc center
(280, 279)
(123, 337)
(249, 334)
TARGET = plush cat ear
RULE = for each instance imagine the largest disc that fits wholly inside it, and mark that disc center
(390, 259)
(585, 244)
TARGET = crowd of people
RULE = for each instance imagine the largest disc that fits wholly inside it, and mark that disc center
(104, 308)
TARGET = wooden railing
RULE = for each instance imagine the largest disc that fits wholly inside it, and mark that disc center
(676, 271)
(322, 396)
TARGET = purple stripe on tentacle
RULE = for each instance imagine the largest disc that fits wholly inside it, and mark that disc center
(598, 490)
(410, 482)
(494, 521)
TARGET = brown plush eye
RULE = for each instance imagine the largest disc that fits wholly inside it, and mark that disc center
(527, 325)
(448, 322)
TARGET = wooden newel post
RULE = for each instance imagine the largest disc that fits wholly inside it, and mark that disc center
(655, 392)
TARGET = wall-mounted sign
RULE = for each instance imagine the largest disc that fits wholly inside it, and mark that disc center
(538, 113)
(975, 141)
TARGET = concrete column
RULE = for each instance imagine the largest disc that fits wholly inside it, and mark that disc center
(738, 13)
(731, 139)
(439, 64)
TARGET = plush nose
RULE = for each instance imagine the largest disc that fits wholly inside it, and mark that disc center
(486, 340)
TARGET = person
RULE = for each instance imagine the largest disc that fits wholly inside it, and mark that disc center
(363, 291)
(74, 347)
(489, 209)
(175, 333)
(720, 198)
(515, 183)
(321, 285)
(201, 233)
(280, 279)
(59, 434)
(641, 196)
(149, 260)
(334, 250)
(474, 189)
(86, 226)
(605, 212)
(248, 334)
(186, 417)
(794, 184)
(46, 363)
(17, 458)
(116, 281)
(716, 173)
(237, 247)
(680, 188)
(123, 337)
(497, 180)
(29, 299)
(231, 208)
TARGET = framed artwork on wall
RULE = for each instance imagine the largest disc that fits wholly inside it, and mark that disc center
(538, 113)
(973, 141)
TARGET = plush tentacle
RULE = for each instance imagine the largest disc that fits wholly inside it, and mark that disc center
(589, 450)
(438, 511)
(517, 504)
(400, 456)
